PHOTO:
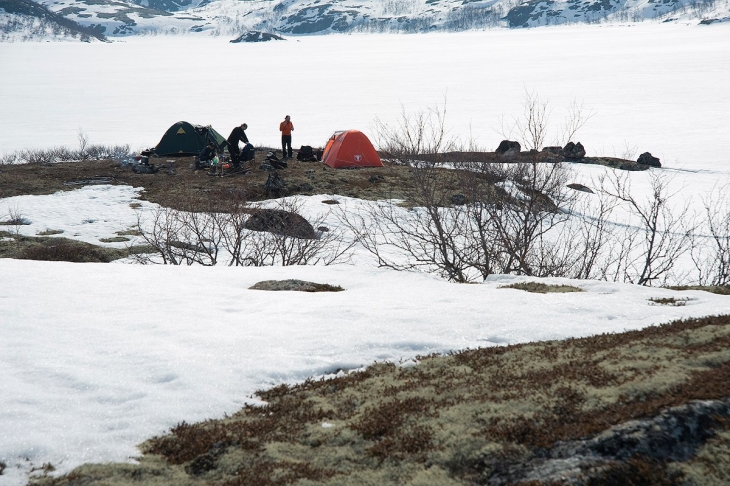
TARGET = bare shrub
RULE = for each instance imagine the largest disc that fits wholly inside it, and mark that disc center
(575, 118)
(500, 226)
(533, 127)
(83, 139)
(86, 151)
(11, 158)
(423, 132)
(661, 236)
(219, 235)
(16, 221)
(711, 252)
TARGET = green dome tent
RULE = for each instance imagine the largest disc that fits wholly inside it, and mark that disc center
(184, 138)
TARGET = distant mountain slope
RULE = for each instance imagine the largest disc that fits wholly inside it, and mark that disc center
(301, 17)
(534, 13)
(28, 20)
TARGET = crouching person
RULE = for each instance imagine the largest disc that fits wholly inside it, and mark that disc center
(206, 156)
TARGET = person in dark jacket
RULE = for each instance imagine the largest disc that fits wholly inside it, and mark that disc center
(237, 135)
(206, 155)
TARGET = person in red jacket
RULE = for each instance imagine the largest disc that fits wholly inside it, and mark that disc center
(286, 128)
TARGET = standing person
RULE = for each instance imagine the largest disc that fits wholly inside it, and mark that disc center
(237, 135)
(286, 127)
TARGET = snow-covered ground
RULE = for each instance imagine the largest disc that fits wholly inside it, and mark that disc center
(655, 88)
(94, 358)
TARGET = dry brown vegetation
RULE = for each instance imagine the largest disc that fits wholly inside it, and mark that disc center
(480, 416)
(176, 181)
(53, 248)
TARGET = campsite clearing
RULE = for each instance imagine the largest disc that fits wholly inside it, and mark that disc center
(177, 181)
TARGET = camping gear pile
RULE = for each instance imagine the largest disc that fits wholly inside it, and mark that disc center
(272, 162)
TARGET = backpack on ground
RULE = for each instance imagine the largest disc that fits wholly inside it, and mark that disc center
(247, 153)
(306, 154)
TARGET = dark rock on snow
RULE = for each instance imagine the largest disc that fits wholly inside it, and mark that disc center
(508, 147)
(254, 36)
(296, 285)
(281, 222)
(581, 187)
(574, 151)
(553, 150)
(647, 159)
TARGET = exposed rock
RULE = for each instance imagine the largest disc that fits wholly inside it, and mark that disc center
(581, 187)
(458, 199)
(574, 151)
(145, 169)
(298, 285)
(255, 36)
(673, 435)
(275, 185)
(266, 166)
(622, 164)
(508, 147)
(647, 159)
(280, 222)
(553, 150)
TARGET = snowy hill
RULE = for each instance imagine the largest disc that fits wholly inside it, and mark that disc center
(27, 20)
(302, 17)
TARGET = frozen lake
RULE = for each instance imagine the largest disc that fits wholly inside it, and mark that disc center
(656, 88)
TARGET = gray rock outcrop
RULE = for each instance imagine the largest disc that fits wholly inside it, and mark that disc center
(508, 147)
(647, 159)
(281, 222)
(574, 151)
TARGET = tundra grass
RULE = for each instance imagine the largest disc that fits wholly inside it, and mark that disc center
(454, 419)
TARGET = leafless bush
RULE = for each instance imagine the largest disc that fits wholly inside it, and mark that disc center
(83, 144)
(430, 239)
(37, 156)
(499, 223)
(533, 127)
(711, 253)
(575, 118)
(63, 154)
(519, 218)
(415, 134)
(663, 233)
(8, 159)
(532, 204)
(218, 235)
(16, 220)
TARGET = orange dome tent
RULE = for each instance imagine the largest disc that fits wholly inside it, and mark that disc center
(350, 148)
